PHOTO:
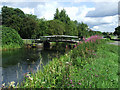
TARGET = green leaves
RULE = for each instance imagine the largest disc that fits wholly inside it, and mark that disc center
(117, 31)
(10, 37)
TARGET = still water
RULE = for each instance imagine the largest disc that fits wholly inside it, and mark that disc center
(17, 62)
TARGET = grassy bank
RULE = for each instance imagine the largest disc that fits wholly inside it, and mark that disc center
(89, 65)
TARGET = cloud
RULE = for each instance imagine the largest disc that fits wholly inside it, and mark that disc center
(104, 9)
(60, 0)
(109, 26)
(104, 28)
(77, 13)
(28, 10)
(95, 28)
(96, 0)
(23, 4)
(101, 20)
(46, 11)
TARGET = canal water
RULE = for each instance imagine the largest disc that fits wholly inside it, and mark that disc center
(16, 63)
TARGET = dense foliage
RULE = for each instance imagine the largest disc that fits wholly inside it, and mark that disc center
(29, 26)
(117, 31)
(10, 38)
(24, 24)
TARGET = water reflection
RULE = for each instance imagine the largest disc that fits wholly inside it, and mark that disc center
(17, 62)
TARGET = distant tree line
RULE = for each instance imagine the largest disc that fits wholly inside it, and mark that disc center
(29, 26)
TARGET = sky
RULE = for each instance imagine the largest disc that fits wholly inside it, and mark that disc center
(99, 15)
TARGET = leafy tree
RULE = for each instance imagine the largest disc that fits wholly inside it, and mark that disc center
(10, 37)
(71, 29)
(82, 29)
(25, 24)
(32, 16)
(43, 28)
(7, 15)
(57, 14)
(29, 28)
(55, 27)
(117, 31)
(62, 16)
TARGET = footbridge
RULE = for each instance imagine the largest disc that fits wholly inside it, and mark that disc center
(56, 38)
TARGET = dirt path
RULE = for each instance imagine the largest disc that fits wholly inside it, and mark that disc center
(115, 43)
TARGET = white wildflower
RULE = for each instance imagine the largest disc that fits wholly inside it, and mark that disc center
(3, 84)
(43, 82)
(30, 78)
(67, 62)
(12, 83)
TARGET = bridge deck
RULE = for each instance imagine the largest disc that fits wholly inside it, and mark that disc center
(60, 36)
(57, 38)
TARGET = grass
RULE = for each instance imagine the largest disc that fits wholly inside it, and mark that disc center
(101, 72)
(11, 46)
(89, 65)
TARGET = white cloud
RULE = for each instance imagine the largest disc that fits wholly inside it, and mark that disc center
(60, 0)
(28, 10)
(77, 13)
(101, 20)
(108, 23)
(96, 0)
(95, 27)
(105, 28)
(46, 11)
(110, 26)
(104, 9)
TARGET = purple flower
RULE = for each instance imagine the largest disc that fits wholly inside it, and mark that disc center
(72, 85)
(27, 76)
(93, 38)
(71, 80)
(79, 83)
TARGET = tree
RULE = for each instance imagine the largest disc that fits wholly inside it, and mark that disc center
(7, 15)
(29, 28)
(71, 29)
(25, 24)
(62, 16)
(57, 14)
(55, 27)
(43, 28)
(117, 31)
(82, 29)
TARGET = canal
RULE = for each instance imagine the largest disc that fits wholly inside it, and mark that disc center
(17, 62)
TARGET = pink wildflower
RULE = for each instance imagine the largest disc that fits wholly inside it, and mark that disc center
(79, 83)
(66, 46)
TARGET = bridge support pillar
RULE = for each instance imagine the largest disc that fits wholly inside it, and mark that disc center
(46, 44)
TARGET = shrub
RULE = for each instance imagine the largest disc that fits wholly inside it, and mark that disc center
(10, 38)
